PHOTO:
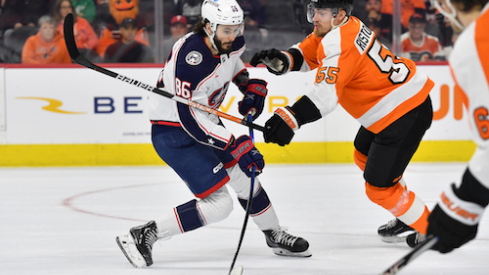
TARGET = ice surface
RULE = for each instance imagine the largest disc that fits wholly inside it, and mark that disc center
(65, 220)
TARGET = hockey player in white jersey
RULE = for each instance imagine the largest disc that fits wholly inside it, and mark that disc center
(456, 216)
(196, 144)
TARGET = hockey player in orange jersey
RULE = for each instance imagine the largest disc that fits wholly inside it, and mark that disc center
(456, 217)
(385, 93)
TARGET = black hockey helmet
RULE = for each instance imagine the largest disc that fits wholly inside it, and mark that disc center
(334, 5)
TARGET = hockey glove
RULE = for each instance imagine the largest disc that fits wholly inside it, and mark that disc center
(277, 62)
(247, 155)
(281, 126)
(454, 221)
(254, 91)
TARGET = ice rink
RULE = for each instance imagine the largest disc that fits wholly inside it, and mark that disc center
(65, 220)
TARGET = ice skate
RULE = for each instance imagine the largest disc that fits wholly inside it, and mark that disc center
(138, 244)
(284, 244)
(394, 231)
(415, 238)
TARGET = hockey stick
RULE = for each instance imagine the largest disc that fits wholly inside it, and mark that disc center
(79, 59)
(406, 259)
(239, 270)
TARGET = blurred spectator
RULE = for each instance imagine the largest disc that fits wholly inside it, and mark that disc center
(102, 13)
(108, 28)
(188, 8)
(46, 46)
(85, 36)
(359, 10)
(408, 8)
(128, 50)
(85, 9)
(382, 22)
(417, 45)
(178, 28)
(255, 12)
(18, 13)
(374, 25)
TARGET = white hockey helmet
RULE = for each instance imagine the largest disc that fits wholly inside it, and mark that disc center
(222, 12)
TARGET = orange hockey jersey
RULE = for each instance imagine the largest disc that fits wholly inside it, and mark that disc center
(85, 36)
(355, 70)
(408, 8)
(428, 49)
(38, 51)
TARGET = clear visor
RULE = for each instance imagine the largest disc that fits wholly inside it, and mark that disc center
(446, 8)
(230, 30)
(322, 13)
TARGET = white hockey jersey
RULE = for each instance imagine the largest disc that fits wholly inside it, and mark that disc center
(192, 72)
(469, 65)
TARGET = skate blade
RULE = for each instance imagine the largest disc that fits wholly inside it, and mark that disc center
(394, 239)
(284, 252)
(236, 271)
(126, 244)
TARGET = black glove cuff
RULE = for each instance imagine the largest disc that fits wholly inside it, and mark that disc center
(297, 59)
(241, 78)
(305, 111)
(472, 190)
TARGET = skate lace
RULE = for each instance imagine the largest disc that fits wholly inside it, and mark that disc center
(150, 237)
(391, 224)
(283, 237)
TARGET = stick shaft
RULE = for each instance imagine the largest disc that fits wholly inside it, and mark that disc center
(248, 208)
(413, 254)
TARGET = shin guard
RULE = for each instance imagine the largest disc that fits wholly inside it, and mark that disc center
(402, 203)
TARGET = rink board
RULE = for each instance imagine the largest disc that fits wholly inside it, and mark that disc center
(72, 116)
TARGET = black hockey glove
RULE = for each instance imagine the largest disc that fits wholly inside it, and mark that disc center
(277, 62)
(254, 93)
(281, 126)
(247, 155)
(454, 221)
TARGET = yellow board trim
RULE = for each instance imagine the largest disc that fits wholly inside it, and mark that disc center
(144, 154)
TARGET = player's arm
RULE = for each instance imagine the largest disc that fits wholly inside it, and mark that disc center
(254, 92)
(455, 218)
(279, 62)
(300, 57)
(285, 121)
(281, 126)
(319, 102)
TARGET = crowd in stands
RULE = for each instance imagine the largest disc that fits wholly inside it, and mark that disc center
(124, 30)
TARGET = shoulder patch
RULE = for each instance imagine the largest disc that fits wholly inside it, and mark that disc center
(194, 58)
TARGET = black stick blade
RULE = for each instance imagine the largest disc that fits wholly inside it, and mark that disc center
(70, 38)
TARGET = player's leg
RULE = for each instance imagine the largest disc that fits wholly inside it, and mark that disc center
(204, 174)
(137, 245)
(389, 155)
(395, 230)
(265, 217)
